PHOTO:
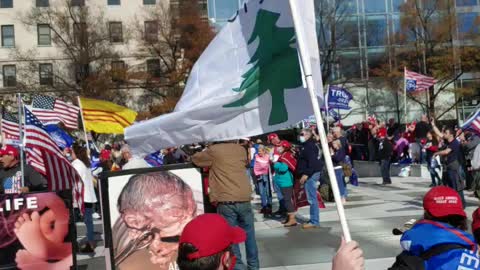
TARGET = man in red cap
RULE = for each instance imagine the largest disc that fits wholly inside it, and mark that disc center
(206, 243)
(440, 240)
(385, 155)
(11, 174)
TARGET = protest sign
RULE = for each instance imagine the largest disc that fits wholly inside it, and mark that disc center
(145, 211)
(37, 231)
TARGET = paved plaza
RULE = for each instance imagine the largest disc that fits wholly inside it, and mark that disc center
(372, 211)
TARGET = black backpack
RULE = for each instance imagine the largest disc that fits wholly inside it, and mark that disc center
(405, 261)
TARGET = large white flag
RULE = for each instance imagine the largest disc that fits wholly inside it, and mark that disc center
(247, 82)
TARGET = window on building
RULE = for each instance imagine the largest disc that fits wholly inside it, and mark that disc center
(9, 76)
(377, 60)
(116, 33)
(46, 74)
(149, 2)
(347, 7)
(6, 3)
(80, 34)
(153, 67)
(466, 3)
(81, 72)
(44, 35)
(348, 65)
(42, 3)
(225, 9)
(347, 32)
(113, 2)
(376, 30)
(8, 36)
(151, 31)
(397, 4)
(375, 6)
(468, 23)
(77, 3)
(118, 71)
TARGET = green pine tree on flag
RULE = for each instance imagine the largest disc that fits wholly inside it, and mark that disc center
(275, 68)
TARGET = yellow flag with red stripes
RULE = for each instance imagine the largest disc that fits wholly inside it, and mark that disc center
(105, 117)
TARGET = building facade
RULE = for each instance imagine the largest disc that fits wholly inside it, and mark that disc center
(370, 29)
(32, 54)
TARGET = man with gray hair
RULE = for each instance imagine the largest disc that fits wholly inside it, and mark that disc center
(132, 162)
(155, 207)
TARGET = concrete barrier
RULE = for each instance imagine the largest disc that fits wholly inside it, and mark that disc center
(372, 169)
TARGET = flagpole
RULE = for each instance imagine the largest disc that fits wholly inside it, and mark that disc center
(83, 125)
(405, 91)
(326, 108)
(305, 61)
(20, 110)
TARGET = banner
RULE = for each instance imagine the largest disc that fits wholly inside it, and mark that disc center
(339, 98)
(146, 211)
(37, 232)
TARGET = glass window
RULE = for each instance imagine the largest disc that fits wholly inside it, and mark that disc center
(8, 36)
(376, 61)
(118, 71)
(347, 7)
(6, 3)
(375, 6)
(467, 22)
(225, 9)
(151, 31)
(77, 3)
(376, 30)
(46, 74)
(348, 65)
(347, 32)
(42, 3)
(9, 76)
(153, 67)
(464, 3)
(81, 72)
(397, 4)
(116, 32)
(113, 2)
(80, 35)
(149, 2)
(44, 35)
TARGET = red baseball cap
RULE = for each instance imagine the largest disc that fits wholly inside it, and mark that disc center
(285, 144)
(443, 201)
(272, 136)
(382, 133)
(476, 220)
(210, 234)
(9, 150)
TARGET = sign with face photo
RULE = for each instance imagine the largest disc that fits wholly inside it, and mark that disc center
(146, 211)
(37, 231)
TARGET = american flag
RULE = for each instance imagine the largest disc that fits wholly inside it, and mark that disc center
(473, 123)
(417, 82)
(60, 173)
(10, 127)
(13, 183)
(51, 110)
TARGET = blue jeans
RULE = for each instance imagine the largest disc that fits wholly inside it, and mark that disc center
(88, 220)
(281, 201)
(385, 168)
(311, 191)
(341, 182)
(263, 187)
(240, 214)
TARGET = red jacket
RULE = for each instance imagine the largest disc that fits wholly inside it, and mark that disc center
(290, 160)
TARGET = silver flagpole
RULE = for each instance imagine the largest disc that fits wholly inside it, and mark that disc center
(22, 148)
(305, 62)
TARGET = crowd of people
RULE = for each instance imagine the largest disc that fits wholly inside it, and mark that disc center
(272, 165)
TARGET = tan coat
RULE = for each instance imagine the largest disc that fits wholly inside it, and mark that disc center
(228, 179)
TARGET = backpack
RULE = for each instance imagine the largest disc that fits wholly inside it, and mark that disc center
(405, 261)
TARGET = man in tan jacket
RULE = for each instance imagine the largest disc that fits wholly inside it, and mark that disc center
(230, 189)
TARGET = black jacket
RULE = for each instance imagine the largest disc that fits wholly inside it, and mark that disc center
(385, 150)
(309, 159)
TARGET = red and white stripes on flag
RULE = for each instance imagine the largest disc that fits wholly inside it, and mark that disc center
(35, 159)
(473, 123)
(417, 82)
(59, 171)
(51, 110)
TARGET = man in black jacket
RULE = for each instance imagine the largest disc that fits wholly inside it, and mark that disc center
(385, 154)
(309, 166)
